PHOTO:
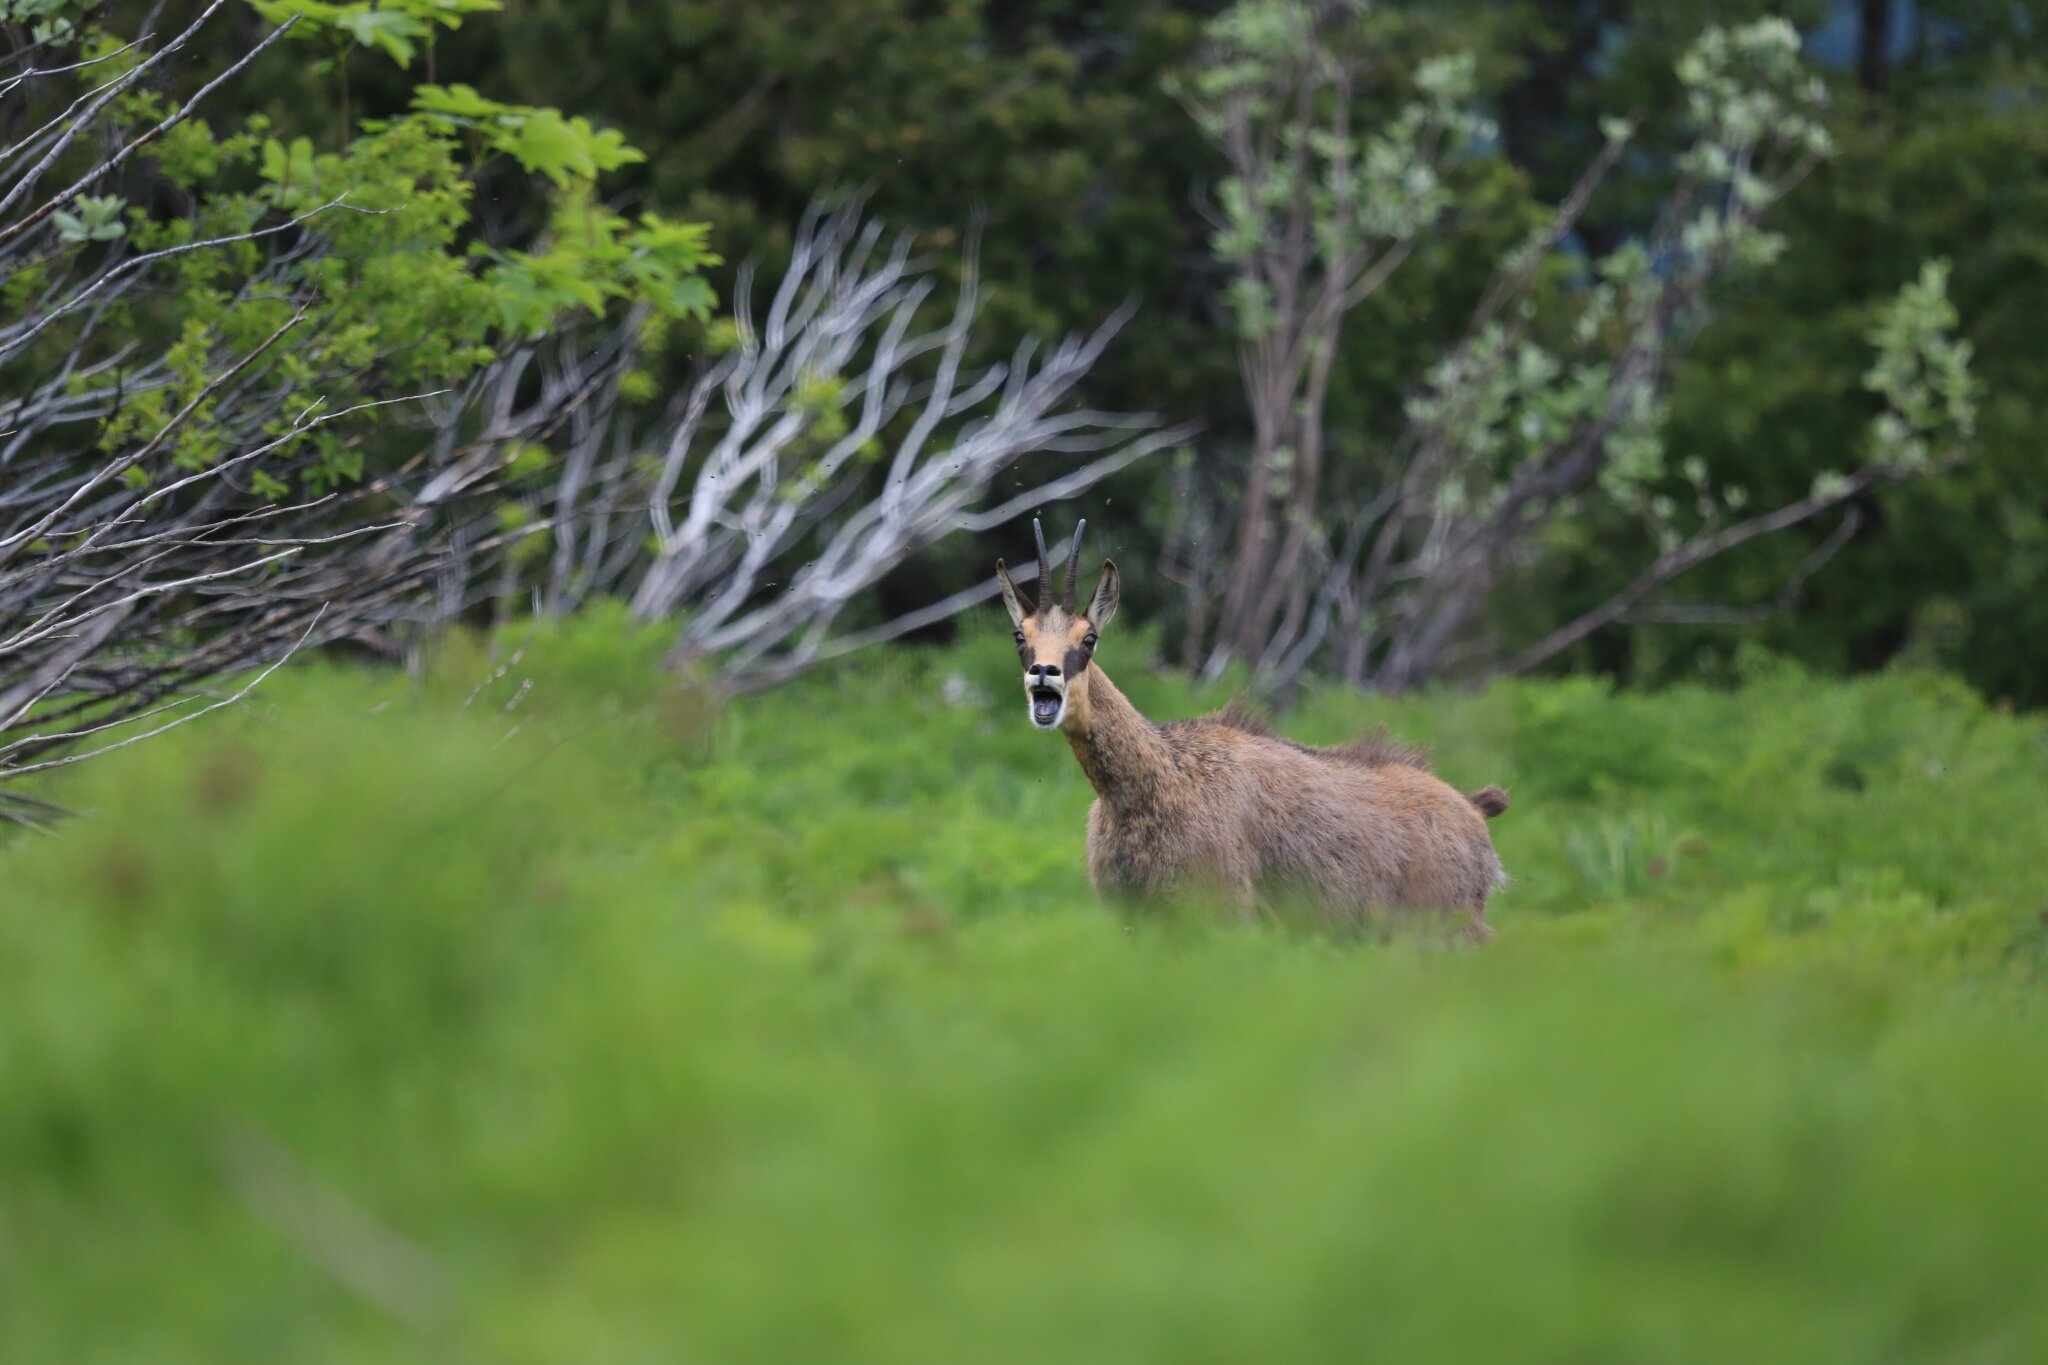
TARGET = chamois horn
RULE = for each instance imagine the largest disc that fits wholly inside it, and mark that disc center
(1043, 590)
(1074, 563)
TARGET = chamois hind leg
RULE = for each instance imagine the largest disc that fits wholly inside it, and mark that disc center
(1476, 930)
(1452, 923)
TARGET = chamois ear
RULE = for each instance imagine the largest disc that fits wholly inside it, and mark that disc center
(1011, 600)
(1107, 589)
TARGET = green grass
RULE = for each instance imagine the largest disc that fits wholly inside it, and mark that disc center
(370, 1025)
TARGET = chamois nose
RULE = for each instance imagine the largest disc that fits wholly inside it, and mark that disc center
(1044, 670)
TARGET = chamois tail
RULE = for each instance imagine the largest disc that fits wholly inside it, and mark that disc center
(1491, 801)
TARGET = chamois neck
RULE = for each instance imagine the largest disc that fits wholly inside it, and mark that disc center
(1126, 760)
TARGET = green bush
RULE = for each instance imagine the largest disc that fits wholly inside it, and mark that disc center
(573, 1017)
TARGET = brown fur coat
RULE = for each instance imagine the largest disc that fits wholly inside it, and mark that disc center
(1223, 804)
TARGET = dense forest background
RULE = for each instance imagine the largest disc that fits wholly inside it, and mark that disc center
(1048, 124)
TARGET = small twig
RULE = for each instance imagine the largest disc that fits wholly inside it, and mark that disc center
(383, 1268)
(1689, 555)
(11, 774)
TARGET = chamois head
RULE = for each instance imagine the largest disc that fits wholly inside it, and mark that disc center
(1055, 640)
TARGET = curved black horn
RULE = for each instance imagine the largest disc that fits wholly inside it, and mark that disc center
(1074, 561)
(1043, 590)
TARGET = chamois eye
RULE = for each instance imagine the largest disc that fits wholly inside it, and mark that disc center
(1088, 640)
(1020, 636)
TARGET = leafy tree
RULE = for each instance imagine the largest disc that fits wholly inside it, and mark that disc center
(1941, 157)
(1950, 160)
(1313, 217)
(203, 330)
(1532, 419)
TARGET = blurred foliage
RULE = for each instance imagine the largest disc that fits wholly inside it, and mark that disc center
(1045, 121)
(1045, 124)
(1049, 122)
(545, 1009)
(1951, 162)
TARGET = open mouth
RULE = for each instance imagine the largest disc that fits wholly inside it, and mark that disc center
(1045, 706)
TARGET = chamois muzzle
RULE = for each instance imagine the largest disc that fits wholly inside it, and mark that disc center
(1045, 707)
(1047, 689)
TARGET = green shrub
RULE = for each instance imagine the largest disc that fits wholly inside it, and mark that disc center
(384, 1022)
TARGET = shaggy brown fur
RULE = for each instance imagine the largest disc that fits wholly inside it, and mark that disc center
(1222, 804)
(1373, 750)
(1367, 751)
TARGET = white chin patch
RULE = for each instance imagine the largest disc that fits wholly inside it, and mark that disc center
(1048, 706)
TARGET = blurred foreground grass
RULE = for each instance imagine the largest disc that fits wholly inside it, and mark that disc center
(383, 1023)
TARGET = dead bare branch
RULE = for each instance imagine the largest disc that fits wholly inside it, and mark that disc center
(837, 437)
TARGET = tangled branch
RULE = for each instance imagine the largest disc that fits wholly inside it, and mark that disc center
(837, 436)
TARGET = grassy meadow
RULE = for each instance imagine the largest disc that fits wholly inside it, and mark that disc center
(545, 1010)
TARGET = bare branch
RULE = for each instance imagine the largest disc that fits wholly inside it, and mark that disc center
(108, 164)
(13, 773)
(1693, 553)
(772, 492)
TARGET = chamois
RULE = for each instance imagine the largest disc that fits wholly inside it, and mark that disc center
(1224, 805)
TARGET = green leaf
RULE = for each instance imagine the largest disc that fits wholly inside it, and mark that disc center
(459, 102)
(563, 149)
(447, 13)
(390, 30)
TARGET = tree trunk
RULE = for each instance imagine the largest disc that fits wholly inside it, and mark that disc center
(1249, 555)
(1251, 558)
(1873, 45)
(1285, 584)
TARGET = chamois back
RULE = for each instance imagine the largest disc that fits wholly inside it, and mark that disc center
(1375, 749)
